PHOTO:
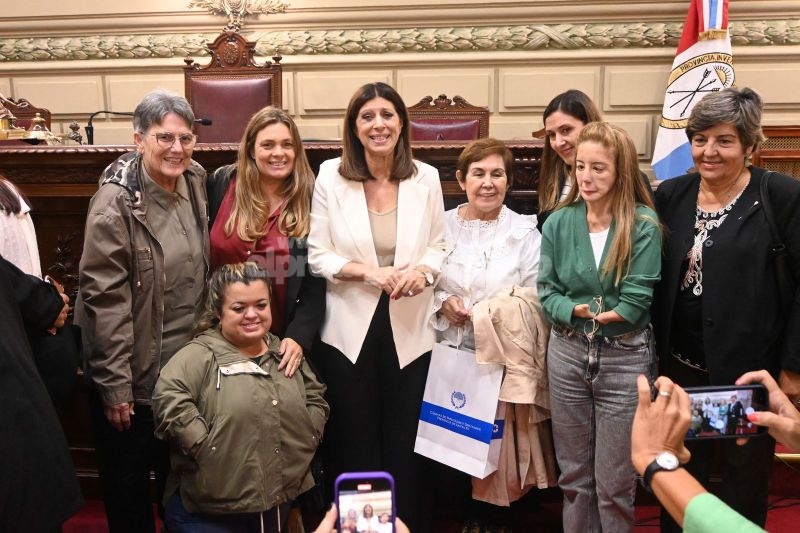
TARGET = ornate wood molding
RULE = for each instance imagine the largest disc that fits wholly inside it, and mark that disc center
(238, 10)
(524, 37)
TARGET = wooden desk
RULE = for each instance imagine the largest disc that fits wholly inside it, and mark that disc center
(60, 181)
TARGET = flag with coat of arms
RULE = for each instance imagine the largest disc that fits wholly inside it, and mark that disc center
(703, 64)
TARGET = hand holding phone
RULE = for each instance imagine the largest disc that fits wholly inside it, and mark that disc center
(721, 411)
(366, 502)
(659, 425)
(783, 419)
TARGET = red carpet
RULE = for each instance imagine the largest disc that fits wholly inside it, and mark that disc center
(783, 517)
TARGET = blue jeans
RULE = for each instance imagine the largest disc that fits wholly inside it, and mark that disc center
(593, 397)
(179, 520)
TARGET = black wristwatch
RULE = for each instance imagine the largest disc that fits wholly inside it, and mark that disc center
(664, 461)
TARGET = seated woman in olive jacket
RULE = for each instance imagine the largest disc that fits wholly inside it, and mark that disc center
(243, 433)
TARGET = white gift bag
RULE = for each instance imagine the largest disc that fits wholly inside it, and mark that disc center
(457, 423)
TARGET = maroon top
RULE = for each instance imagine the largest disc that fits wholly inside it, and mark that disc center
(271, 252)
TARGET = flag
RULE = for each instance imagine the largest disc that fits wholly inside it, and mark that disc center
(703, 64)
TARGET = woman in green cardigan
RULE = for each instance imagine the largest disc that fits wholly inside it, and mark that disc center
(601, 256)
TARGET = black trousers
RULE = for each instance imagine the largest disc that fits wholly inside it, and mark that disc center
(374, 415)
(125, 460)
(745, 470)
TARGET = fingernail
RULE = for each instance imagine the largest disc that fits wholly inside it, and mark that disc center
(752, 417)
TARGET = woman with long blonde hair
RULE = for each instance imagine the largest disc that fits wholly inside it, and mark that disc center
(259, 210)
(600, 258)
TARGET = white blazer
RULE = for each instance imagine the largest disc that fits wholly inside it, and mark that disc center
(340, 233)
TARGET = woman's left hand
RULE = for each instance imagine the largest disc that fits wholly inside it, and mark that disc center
(411, 283)
(292, 356)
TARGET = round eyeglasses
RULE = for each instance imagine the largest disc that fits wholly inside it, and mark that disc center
(167, 139)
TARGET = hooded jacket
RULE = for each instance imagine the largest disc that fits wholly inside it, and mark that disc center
(256, 429)
(120, 306)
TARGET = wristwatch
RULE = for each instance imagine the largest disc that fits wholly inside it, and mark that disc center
(428, 275)
(666, 461)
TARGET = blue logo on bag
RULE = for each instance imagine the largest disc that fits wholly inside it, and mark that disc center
(458, 399)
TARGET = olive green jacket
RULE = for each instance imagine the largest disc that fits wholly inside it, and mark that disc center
(256, 429)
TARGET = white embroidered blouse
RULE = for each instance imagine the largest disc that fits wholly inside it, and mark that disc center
(482, 257)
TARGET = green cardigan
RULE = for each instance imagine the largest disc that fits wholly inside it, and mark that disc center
(568, 275)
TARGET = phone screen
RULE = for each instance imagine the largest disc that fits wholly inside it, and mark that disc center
(722, 411)
(366, 502)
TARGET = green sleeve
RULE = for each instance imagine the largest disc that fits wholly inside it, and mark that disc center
(636, 289)
(707, 514)
(557, 307)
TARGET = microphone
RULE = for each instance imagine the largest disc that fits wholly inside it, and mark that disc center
(90, 129)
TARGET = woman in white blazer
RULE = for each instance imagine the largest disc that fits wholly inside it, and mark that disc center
(377, 236)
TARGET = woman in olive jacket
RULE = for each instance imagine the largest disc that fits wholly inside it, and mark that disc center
(242, 433)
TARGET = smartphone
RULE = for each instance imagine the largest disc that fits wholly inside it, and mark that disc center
(721, 411)
(366, 502)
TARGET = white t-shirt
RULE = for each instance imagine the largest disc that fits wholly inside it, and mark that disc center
(598, 244)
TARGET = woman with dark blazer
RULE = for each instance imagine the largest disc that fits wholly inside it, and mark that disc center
(718, 311)
(259, 210)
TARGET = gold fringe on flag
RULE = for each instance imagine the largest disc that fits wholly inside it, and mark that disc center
(711, 35)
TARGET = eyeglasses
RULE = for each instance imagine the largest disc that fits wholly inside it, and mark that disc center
(591, 326)
(167, 139)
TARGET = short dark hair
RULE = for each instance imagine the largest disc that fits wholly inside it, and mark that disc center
(740, 108)
(480, 149)
(354, 162)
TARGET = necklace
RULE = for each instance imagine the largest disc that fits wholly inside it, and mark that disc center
(725, 198)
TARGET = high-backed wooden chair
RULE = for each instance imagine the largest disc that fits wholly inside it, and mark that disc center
(444, 119)
(24, 111)
(781, 151)
(231, 87)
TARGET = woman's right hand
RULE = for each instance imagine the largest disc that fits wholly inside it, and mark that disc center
(119, 415)
(385, 278)
(659, 425)
(582, 311)
(454, 311)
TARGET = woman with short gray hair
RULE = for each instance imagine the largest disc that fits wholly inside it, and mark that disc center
(722, 308)
(142, 280)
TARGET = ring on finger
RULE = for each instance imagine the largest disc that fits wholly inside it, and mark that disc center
(410, 293)
(665, 393)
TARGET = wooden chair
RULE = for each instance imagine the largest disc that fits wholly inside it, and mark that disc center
(231, 88)
(24, 111)
(444, 119)
(781, 151)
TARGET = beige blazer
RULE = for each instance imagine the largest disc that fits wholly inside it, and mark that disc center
(340, 233)
(510, 329)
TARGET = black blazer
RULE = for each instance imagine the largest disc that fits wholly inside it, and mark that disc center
(305, 298)
(744, 327)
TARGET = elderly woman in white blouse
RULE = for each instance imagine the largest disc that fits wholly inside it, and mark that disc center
(488, 247)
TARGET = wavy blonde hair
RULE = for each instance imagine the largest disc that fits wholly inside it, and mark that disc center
(250, 209)
(629, 191)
